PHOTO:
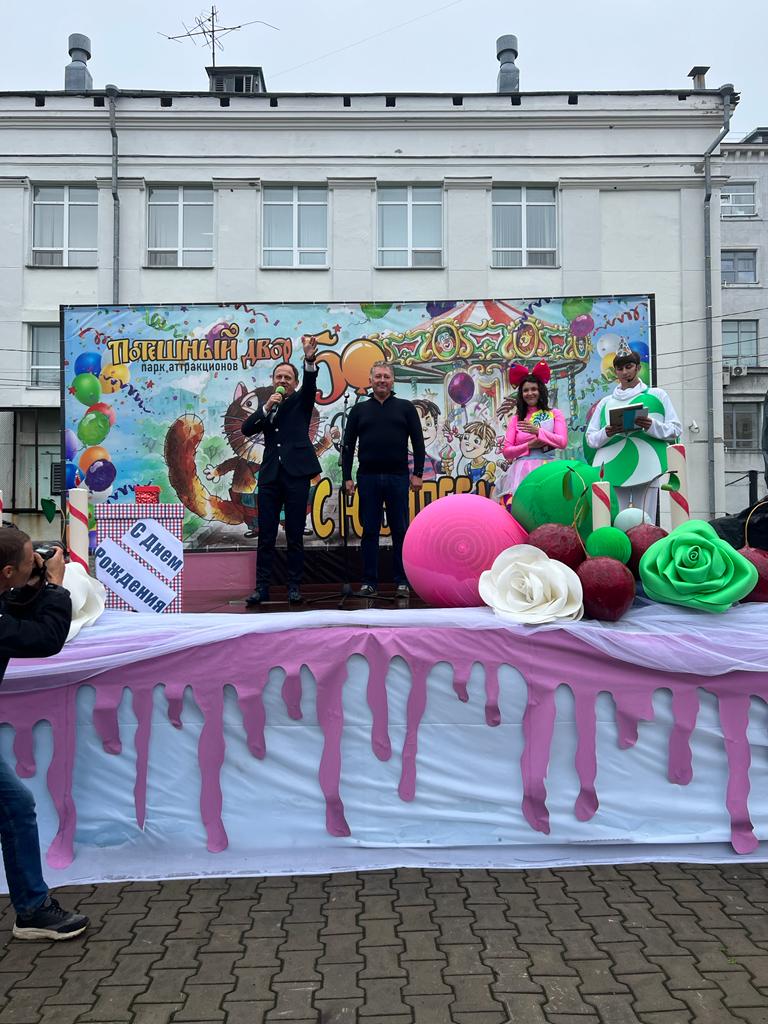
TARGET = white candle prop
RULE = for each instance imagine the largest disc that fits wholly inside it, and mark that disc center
(676, 463)
(601, 504)
(77, 525)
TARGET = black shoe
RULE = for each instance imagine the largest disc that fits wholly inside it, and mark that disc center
(294, 596)
(402, 590)
(367, 591)
(259, 596)
(50, 922)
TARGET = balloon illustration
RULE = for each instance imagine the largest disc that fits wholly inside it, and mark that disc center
(93, 428)
(88, 362)
(71, 443)
(435, 309)
(608, 343)
(113, 378)
(71, 475)
(100, 476)
(606, 367)
(356, 362)
(86, 388)
(574, 308)
(641, 349)
(107, 409)
(582, 325)
(91, 455)
(215, 332)
(461, 388)
(98, 496)
(375, 310)
(644, 373)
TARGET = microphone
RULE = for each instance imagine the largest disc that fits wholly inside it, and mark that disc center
(279, 390)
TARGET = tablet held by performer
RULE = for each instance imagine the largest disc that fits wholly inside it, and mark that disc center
(535, 433)
(381, 427)
(628, 434)
(289, 465)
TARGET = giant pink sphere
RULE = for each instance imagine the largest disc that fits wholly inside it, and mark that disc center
(450, 542)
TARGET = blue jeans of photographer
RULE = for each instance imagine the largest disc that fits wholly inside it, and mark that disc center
(21, 844)
(375, 492)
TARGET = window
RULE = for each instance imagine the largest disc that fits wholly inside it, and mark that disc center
(738, 266)
(45, 365)
(295, 226)
(180, 227)
(64, 219)
(524, 227)
(737, 200)
(741, 422)
(410, 226)
(740, 342)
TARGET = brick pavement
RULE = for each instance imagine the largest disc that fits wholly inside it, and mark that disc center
(657, 944)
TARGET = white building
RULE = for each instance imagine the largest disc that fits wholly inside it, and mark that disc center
(744, 268)
(222, 195)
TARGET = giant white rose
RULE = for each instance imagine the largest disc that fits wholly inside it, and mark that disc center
(525, 585)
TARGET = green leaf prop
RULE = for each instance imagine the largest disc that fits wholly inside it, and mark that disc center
(673, 484)
(48, 506)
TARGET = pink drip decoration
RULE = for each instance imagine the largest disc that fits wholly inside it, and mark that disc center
(556, 659)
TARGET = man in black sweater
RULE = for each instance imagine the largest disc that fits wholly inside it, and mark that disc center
(34, 623)
(288, 467)
(382, 426)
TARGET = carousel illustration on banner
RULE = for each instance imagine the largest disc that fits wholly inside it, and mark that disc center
(156, 395)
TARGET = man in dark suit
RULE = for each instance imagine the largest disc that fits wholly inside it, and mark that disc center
(286, 471)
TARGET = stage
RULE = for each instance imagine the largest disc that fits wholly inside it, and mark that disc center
(314, 741)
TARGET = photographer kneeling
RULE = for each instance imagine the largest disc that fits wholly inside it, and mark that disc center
(35, 613)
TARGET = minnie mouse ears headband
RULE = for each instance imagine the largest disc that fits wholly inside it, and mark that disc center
(518, 373)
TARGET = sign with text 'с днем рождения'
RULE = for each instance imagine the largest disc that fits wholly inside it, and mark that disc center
(151, 541)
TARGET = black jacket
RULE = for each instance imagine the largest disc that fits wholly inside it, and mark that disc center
(34, 630)
(286, 435)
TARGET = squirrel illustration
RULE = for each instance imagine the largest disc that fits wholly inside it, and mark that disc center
(184, 438)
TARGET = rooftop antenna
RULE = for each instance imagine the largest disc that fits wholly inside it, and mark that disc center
(211, 32)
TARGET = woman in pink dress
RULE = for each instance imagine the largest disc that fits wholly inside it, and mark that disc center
(535, 432)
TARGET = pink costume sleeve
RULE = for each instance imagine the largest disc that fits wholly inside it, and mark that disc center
(557, 437)
(515, 443)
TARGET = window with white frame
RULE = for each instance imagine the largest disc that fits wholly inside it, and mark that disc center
(410, 221)
(740, 342)
(45, 359)
(64, 221)
(737, 199)
(738, 266)
(524, 226)
(741, 424)
(180, 226)
(295, 226)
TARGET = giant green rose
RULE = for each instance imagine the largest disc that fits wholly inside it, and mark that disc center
(695, 568)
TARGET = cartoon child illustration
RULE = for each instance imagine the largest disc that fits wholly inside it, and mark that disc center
(438, 462)
(477, 440)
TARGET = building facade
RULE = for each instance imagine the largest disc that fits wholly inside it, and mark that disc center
(148, 197)
(744, 271)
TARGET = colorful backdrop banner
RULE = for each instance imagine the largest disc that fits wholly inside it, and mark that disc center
(157, 394)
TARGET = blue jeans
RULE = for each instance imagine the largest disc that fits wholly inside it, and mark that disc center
(20, 842)
(375, 491)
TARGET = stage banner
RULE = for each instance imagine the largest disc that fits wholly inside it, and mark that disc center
(157, 394)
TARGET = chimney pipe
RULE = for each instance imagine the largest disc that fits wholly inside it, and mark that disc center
(77, 77)
(697, 73)
(509, 75)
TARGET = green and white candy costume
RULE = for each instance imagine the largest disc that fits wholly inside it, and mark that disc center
(632, 460)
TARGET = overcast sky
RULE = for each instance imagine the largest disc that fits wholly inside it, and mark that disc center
(403, 45)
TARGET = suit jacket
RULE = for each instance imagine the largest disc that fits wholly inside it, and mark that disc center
(286, 435)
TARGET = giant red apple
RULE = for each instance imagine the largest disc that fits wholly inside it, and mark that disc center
(560, 542)
(759, 559)
(641, 537)
(609, 588)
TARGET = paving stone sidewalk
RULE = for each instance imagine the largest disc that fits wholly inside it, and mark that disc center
(659, 944)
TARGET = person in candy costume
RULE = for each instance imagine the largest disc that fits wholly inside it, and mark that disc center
(632, 459)
(535, 432)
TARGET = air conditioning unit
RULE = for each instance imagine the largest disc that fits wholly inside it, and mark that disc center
(738, 371)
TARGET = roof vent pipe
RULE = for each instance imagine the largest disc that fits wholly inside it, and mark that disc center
(509, 74)
(698, 74)
(77, 77)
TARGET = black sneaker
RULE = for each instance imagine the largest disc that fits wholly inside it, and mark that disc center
(402, 590)
(50, 922)
(294, 596)
(259, 596)
(367, 591)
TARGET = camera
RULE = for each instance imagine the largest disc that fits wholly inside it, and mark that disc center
(46, 550)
